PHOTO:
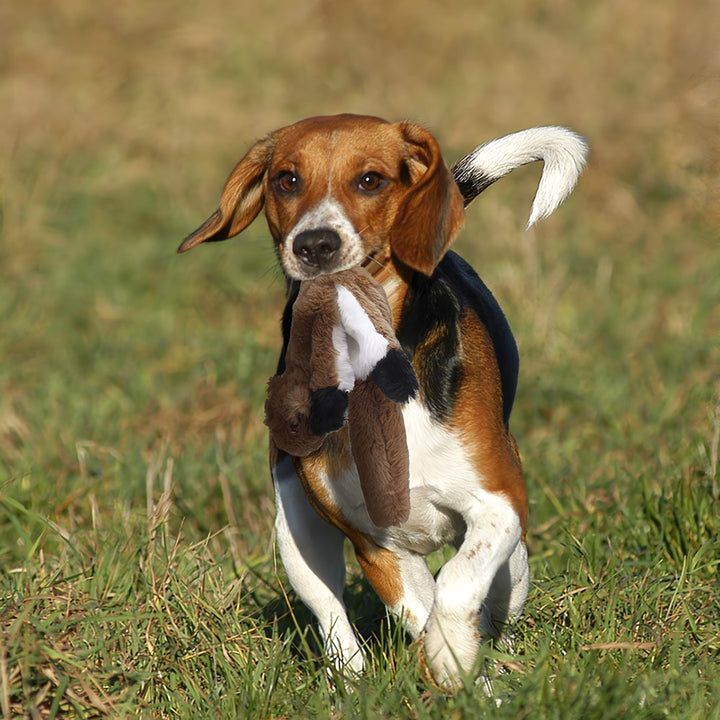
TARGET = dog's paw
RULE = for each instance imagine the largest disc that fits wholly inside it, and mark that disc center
(395, 377)
(451, 649)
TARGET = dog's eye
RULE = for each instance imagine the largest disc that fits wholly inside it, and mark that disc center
(371, 182)
(287, 181)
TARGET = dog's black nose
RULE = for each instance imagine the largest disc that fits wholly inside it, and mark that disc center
(316, 247)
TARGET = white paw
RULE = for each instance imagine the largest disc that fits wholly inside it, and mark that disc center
(451, 647)
(345, 655)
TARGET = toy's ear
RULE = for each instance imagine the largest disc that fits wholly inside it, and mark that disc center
(241, 201)
(431, 213)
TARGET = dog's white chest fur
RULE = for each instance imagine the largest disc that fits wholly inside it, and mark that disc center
(441, 482)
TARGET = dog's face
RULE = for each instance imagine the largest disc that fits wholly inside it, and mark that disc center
(332, 193)
(343, 191)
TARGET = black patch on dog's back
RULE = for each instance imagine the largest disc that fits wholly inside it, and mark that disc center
(429, 333)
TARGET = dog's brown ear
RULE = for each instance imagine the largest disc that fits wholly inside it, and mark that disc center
(431, 213)
(241, 201)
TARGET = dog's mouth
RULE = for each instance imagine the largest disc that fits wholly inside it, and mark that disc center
(375, 260)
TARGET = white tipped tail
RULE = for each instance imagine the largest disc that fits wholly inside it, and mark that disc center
(563, 152)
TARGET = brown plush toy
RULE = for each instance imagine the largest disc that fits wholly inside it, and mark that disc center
(344, 363)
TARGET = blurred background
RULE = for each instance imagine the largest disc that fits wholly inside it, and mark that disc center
(120, 122)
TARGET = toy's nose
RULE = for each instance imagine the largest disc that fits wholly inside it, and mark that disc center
(316, 247)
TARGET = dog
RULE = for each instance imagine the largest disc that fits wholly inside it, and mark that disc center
(347, 190)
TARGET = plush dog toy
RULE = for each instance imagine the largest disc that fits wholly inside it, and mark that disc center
(344, 363)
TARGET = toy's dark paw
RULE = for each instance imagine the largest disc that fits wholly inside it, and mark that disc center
(328, 410)
(394, 375)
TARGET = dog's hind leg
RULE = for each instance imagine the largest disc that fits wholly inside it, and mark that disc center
(312, 553)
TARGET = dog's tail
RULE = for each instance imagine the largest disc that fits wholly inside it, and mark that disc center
(563, 152)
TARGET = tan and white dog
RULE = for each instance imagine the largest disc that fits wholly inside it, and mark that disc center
(353, 190)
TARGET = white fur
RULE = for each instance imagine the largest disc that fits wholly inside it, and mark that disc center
(358, 344)
(563, 152)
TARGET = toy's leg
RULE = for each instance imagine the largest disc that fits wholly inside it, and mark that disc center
(468, 580)
(312, 553)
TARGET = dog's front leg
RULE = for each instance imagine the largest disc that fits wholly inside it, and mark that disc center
(312, 553)
(469, 580)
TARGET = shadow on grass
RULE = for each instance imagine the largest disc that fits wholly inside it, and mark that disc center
(289, 618)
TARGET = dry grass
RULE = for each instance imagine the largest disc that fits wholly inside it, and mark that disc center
(153, 90)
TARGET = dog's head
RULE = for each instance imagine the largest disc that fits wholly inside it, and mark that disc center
(339, 191)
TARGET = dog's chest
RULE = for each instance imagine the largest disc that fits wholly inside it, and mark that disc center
(442, 484)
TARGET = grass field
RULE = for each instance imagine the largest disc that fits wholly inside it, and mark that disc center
(137, 567)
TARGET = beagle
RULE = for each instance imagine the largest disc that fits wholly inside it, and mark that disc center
(353, 190)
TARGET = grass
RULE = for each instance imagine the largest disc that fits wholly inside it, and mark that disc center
(137, 568)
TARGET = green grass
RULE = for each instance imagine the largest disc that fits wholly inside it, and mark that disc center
(138, 574)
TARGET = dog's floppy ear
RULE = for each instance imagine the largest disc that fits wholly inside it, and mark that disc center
(242, 198)
(431, 213)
